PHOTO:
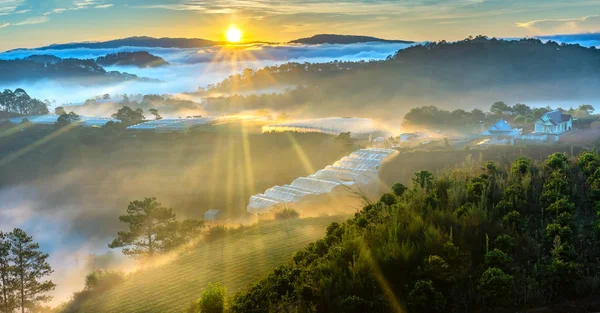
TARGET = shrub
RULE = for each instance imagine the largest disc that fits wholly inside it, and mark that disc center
(505, 243)
(216, 232)
(388, 198)
(399, 189)
(287, 214)
(212, 299)
(495, 287)
(425, 298)
(497, 258)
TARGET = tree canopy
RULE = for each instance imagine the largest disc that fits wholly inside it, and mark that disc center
(153, 229)
(23, 268)
(18, 101)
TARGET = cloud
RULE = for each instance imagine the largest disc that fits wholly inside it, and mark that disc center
(583, 24)
(22, 11)
(555, 21)
(4, 25)
(33, 21)
(56, 11)
(84, 3)
(104, 6)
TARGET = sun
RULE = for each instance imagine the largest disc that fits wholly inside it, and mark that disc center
(234, 34)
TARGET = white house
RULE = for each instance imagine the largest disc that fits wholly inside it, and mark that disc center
(502, 133)
(554, 122)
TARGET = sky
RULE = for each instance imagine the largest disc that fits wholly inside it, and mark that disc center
(34, 23)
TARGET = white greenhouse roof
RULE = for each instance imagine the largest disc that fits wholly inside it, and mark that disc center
(360, 168)
(87, 121)
(173, 124)
(332, 125)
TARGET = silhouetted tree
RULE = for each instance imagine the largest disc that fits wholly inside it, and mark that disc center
(128, 116)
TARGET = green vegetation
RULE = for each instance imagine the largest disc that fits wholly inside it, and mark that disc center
(481, 238)
(19, 102)
(286, 213)
(129, 116)
(436, 72)
(96, 283)
(23, 268)
(212, 300)
(241, 258)
(208, 168)
(153, 229)
(519, 115)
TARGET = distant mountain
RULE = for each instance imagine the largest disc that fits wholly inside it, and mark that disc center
(43, 58)
(149, 42)
(342, 39)
(138, 58)
(82, 72)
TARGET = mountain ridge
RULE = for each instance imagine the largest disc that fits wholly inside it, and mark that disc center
(171, 42)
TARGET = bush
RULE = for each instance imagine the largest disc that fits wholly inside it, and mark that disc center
(287, 214)
(388, 198)
(399, 189)
(425, 298)
(212, 299)
(216, 232)
(495, 287)
(505, 243)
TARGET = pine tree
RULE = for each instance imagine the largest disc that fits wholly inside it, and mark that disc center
(7, 290)
(29, 267)
(150, 228)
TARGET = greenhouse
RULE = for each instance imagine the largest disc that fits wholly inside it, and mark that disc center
(179, 125)
(86, 121)
(358, 127)
(358, 171)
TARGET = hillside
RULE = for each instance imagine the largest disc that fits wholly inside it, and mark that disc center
(342, 39)
(484, 237)
(236, 261)
(474, 72)
(142, 41)
(138, 59)
(83, 72)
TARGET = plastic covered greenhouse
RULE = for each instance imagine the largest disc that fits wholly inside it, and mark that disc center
(87, 121)
(359, 171)
(180, 125)
(358, 127)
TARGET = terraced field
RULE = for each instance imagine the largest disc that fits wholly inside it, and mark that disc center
(236, 261)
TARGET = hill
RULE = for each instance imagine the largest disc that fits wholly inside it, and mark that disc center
(236, 261)
(484, 237)
(138, 58)
(474, 72)
(342, 39)
(83, 72)
(142, 41)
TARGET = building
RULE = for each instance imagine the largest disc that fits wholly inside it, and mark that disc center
(502, 133)
(211, 215)
(555, 122)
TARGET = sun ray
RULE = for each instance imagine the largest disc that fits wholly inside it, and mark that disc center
(247, 160)
(9, 158)
(310, 169)
(388, 292)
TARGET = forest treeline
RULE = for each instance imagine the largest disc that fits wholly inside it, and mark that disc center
(457, 74)
(18, 102)
(518, 115)
(475, 238)
(38, 67)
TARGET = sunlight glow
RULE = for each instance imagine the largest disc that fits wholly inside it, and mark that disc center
(234, 34)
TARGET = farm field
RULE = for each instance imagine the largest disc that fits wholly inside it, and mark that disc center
(236, 261)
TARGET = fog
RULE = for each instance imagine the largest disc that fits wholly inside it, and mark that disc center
(73, 211)
(192, 68)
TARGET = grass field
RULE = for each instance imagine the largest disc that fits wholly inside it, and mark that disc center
(236, 261)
